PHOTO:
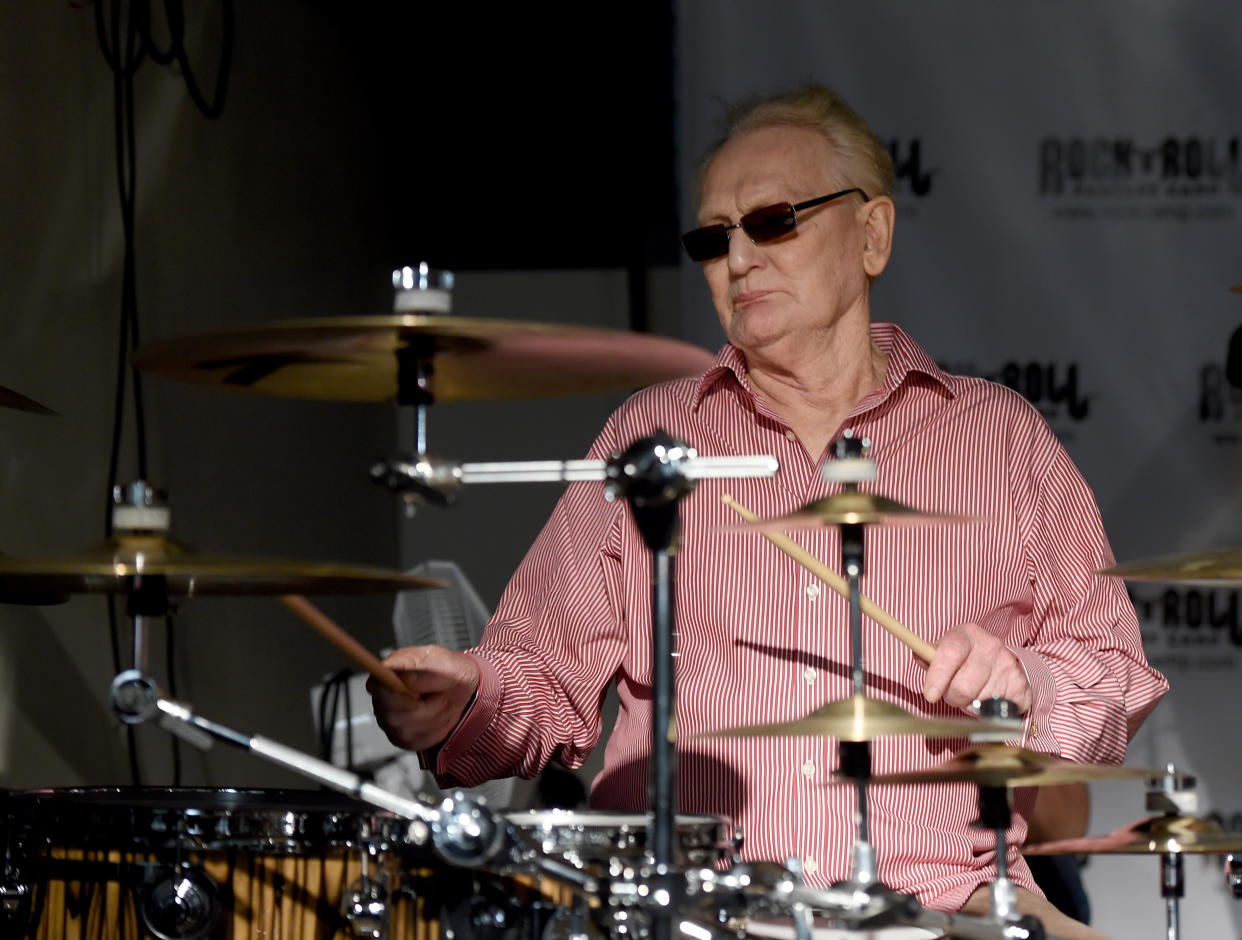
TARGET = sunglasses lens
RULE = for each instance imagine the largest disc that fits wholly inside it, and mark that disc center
(703, 244)
(763, 225)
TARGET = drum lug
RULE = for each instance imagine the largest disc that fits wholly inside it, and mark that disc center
(366, 909)
(180, 904)
(13, 895)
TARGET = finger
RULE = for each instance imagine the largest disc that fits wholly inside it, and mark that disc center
(950, 655)
(973, 680)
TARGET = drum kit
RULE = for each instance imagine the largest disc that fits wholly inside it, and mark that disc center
(184, 864)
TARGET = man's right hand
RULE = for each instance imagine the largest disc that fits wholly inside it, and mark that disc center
(441, 683)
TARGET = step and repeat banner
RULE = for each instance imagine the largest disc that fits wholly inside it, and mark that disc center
(1069, 192)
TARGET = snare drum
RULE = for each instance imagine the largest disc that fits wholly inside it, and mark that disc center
(184, 864)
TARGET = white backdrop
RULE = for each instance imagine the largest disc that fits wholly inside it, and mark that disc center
(1069, 193)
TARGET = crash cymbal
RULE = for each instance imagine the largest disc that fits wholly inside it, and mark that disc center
(1208, 569)
(1237, 288)
(376, 358)
(108, 569)
(12, 399)
(859, 718)
(852, 508)
(1152, 836)
(1003, 765)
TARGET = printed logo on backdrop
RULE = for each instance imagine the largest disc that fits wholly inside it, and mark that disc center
(1189, 629)
(912, 176)
(1055, 388)
(1185, 178)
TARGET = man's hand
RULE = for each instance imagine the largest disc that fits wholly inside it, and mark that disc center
(440, 683)
(970, 664)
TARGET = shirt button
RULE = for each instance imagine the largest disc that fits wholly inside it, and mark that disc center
(808, 769)
(810, 866)
(1034, 729)
(790, 434)
(809, 675)
(812, 591)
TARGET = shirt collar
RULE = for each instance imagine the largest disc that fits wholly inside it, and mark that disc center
(905, 356)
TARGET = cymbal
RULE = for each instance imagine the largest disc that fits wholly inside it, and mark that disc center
(107, 569)
(376, 358)
(1237, 288)
(859, 718)
(1003, 765)
(18, 401)
(852, 508)
(1151, 836)
(1209, 569)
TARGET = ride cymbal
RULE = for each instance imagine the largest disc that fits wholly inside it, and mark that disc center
(1003, 765)
(1213, 568)
(379, 358)
(109, 568)
(859, 718)
(851, 508)
(1152, 836)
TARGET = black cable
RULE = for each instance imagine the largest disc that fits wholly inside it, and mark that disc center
(124, 35)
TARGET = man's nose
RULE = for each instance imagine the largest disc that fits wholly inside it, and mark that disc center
(743, 253)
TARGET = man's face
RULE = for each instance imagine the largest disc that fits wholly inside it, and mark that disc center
(773, 297)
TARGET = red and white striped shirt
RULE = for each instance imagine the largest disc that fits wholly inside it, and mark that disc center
(760, 639)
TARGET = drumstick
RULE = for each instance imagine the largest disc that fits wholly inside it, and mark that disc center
(920, 647)
(337, 636)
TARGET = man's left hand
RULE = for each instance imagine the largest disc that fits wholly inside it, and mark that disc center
(970, 664)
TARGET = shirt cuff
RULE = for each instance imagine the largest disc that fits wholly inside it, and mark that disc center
(1037, 730)
(475, 719)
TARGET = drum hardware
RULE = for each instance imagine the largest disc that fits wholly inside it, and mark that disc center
(143, 561)
(420, 355)
(182, 903)
(861, 718)
(851, 507)
(1233, 874)
(1169, 835)
(365, 904)
(466, 834)
(437, 481)
(1216, 568)
(460, 828)
(1003, 765)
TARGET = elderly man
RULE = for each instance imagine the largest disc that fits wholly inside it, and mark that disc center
(796, 222)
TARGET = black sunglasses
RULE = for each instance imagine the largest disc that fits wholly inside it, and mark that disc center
(761, 225)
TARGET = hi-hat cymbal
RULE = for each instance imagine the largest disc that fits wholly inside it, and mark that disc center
(852, 508)
(1152, 836)
(859, 718)
(18, 401)
(110, 567)
(1003, 765)
(376, 358)
(1209, 569)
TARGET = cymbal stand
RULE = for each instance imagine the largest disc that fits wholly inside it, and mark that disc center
(426, 291)
(852, 466)
(1173, 792)
(139, 509)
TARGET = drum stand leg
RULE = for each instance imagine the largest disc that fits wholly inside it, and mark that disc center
(994, 814)
(1172, 887)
